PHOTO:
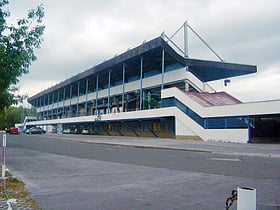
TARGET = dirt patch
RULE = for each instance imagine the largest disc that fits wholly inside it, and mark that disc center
(15, 189)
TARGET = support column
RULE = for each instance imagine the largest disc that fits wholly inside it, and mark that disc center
(63, 103)
(70, 105)
(86, 103)
(249, 129)
(37, 108)
(187, 85)
(96, 96)
(123, 87)
(53, 106)
(48, 106)
(57, 104)
(162, 69)
(44, 104)
(78, 100)
(141, 83)
(109, 87)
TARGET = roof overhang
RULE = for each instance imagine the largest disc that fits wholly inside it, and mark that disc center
(151, 52)
(214, 70)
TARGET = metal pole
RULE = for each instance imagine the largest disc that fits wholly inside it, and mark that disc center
(162, 69)
(70, 107)
(177, 31)
(213, 51)
(4, 162)
(4, 156)
(109, 86)
(39, 105)
(249, 129)
(123, 87)
(86, 103)
(44, 107)
(37, 109)
(96, 95)
(78, 100)
(141, 81)
(48, 106)
(57, 104)
(64, 92)
(53, 106)
(186, 53)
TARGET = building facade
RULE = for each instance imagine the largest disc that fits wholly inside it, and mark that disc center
(151, 90)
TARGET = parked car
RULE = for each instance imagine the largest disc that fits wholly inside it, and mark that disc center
(35, 130)
(67, 131)
(12, 130)
(78, 131)
(85, 131)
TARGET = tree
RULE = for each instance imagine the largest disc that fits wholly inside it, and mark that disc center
(12, 115)
(9, 117)
(17, 45)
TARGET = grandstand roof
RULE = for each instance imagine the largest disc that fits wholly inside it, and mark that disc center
(151, 53)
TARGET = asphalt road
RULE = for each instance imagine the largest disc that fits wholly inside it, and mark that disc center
(76, 175)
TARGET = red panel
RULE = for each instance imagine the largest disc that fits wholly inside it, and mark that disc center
(213, 99)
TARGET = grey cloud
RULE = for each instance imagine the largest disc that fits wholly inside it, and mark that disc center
(80, 34)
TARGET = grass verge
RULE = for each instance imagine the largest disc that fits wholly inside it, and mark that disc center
(16, 189)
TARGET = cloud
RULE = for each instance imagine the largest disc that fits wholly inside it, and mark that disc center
(256, 87)
(80, 34)
(31, 87)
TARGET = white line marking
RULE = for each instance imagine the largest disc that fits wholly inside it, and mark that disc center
(226, 159)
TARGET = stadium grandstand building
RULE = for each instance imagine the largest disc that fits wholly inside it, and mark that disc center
(154, 91)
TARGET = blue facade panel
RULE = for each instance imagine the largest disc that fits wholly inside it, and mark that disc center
(209, 122)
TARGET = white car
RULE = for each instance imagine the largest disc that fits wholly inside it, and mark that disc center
(85, 131)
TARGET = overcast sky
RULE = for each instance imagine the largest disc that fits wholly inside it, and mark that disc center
(82, 33)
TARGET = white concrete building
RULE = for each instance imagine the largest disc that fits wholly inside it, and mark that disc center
(151, 90)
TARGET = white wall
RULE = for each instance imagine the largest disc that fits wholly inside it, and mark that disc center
(187, 127)
(254, 108)
(184, 125)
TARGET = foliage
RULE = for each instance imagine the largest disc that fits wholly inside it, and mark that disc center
(9, 117)
(17, 45)
(12, 115)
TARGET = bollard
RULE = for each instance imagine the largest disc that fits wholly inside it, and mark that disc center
(246, 198)
(4, 156)
(3, 175)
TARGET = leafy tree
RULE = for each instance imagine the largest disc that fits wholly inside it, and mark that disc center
(12, 115)
(17, 45)
(9, 117)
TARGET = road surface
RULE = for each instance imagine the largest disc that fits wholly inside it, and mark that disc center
(64, 174)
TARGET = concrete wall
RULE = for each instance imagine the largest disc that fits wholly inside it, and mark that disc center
(185, 127)
(243, 109)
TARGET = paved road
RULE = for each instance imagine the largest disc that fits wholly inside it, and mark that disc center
(65, 174)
